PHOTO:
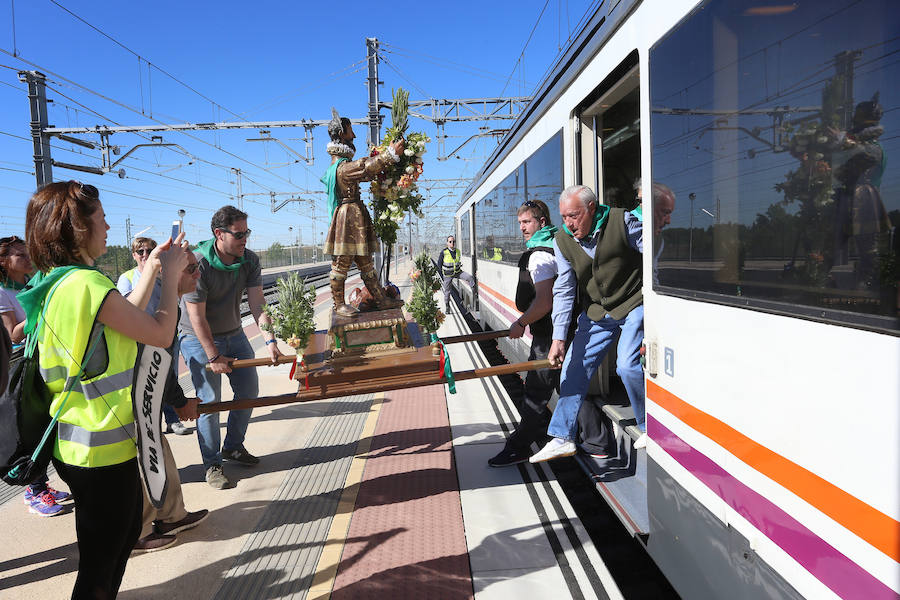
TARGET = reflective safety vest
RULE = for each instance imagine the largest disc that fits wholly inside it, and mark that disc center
(131, 275)
(452, 263)
(96, 425)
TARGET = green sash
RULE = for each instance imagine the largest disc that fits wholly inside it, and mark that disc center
(330, 181)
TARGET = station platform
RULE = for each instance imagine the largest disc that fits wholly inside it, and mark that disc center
(365, 496)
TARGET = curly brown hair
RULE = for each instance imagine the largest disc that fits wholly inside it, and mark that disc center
(58, 223)
(6, 244)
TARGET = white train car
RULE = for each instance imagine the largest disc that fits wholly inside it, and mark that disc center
(771, 318)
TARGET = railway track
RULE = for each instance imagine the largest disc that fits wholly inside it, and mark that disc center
(635, 573)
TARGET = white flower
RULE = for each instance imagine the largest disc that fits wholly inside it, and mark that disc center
(387, 182)
(410, 169)
(393, 206)
(408, 152)
(420, 153)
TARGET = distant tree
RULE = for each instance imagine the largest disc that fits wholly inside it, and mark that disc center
(115, 261)
(275, 254)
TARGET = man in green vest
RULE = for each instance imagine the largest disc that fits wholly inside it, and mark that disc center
(598, 253)
(450, 267)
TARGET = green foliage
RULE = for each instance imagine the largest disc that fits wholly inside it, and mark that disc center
(423, 307)
(425, 269)
(292, 318)
(275, 253)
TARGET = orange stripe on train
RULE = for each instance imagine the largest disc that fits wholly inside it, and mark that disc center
(869, 523)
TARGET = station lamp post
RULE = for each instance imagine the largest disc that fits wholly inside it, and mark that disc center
(291, 243)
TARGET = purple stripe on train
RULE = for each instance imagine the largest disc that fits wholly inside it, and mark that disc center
(840, 574)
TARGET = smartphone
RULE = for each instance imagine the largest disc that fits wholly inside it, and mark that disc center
(176, 228)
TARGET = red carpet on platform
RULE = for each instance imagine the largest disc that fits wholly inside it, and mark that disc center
(406, 537)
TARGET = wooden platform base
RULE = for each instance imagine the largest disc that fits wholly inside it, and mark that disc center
(368, 333)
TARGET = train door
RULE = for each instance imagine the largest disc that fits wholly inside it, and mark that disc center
(608, 153)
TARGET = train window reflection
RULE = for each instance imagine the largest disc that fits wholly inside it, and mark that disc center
(775, 131)
(540, 177)
(465, 239)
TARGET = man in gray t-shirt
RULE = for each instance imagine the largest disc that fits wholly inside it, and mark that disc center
(211, 334)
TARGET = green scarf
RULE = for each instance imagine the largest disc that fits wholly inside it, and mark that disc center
(542, 237)
(639, 212)
(12, 285)
(330, 181)
(32, 298)
(599, 219)
(208, 250)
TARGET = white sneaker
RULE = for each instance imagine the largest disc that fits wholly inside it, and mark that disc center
(555, 448)
(641, 442)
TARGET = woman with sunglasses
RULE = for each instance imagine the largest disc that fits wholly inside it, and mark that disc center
(88, 330)
(15, 267)
(141, 249)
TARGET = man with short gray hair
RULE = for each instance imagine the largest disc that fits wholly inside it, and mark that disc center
(598, 253)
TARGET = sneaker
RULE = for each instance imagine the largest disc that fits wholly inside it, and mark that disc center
(45, 505)
(508, 457)
(240, 456)
(593, 453)
(58, 495)
(177, 428)
(32, 493)
(216, 478)
(152, 543)
(641, 442)
(190, 521)
(555, 448)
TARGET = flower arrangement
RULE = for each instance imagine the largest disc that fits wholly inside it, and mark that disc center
(292, 318)
(395, 191)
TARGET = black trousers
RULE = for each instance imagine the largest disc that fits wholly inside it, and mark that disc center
(108, 504)
(539, 386)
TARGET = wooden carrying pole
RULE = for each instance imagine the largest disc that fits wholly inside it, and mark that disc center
(289, 358)
(366, 386)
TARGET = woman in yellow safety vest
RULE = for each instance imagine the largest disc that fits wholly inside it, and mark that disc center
(71, 305)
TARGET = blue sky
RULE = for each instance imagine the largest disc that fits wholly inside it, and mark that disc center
(254, 61)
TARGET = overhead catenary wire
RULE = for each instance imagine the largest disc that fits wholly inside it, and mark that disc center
(522, 53)
(149, 64)
(137, 111)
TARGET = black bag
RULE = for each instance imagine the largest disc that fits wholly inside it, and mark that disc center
(24, 419)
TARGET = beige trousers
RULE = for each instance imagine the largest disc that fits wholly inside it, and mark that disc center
(172, 509)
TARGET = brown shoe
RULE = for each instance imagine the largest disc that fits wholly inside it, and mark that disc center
(190, 521)
(152, 543)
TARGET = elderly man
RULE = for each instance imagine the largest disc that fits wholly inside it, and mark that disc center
(599, 254)
(351, 236)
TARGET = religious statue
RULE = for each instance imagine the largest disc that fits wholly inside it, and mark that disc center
(351, 237)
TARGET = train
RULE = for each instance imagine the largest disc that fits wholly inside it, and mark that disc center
(772, 338)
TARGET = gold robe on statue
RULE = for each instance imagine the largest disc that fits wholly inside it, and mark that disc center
(351, 232)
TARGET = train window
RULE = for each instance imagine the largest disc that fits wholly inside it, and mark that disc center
(465, 235)
(539, 178)
(774, 126)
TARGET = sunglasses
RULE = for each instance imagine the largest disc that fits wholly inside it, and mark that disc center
(531, 204)
(143, 251)
(238, 235)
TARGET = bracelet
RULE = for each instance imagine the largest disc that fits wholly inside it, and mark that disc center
(214, 358)
(520, 323)
(272, 341)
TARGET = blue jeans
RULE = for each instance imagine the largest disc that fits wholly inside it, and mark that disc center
(244, 383)
(590, 345)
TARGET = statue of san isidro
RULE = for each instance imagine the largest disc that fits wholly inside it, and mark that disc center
(351, 237)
